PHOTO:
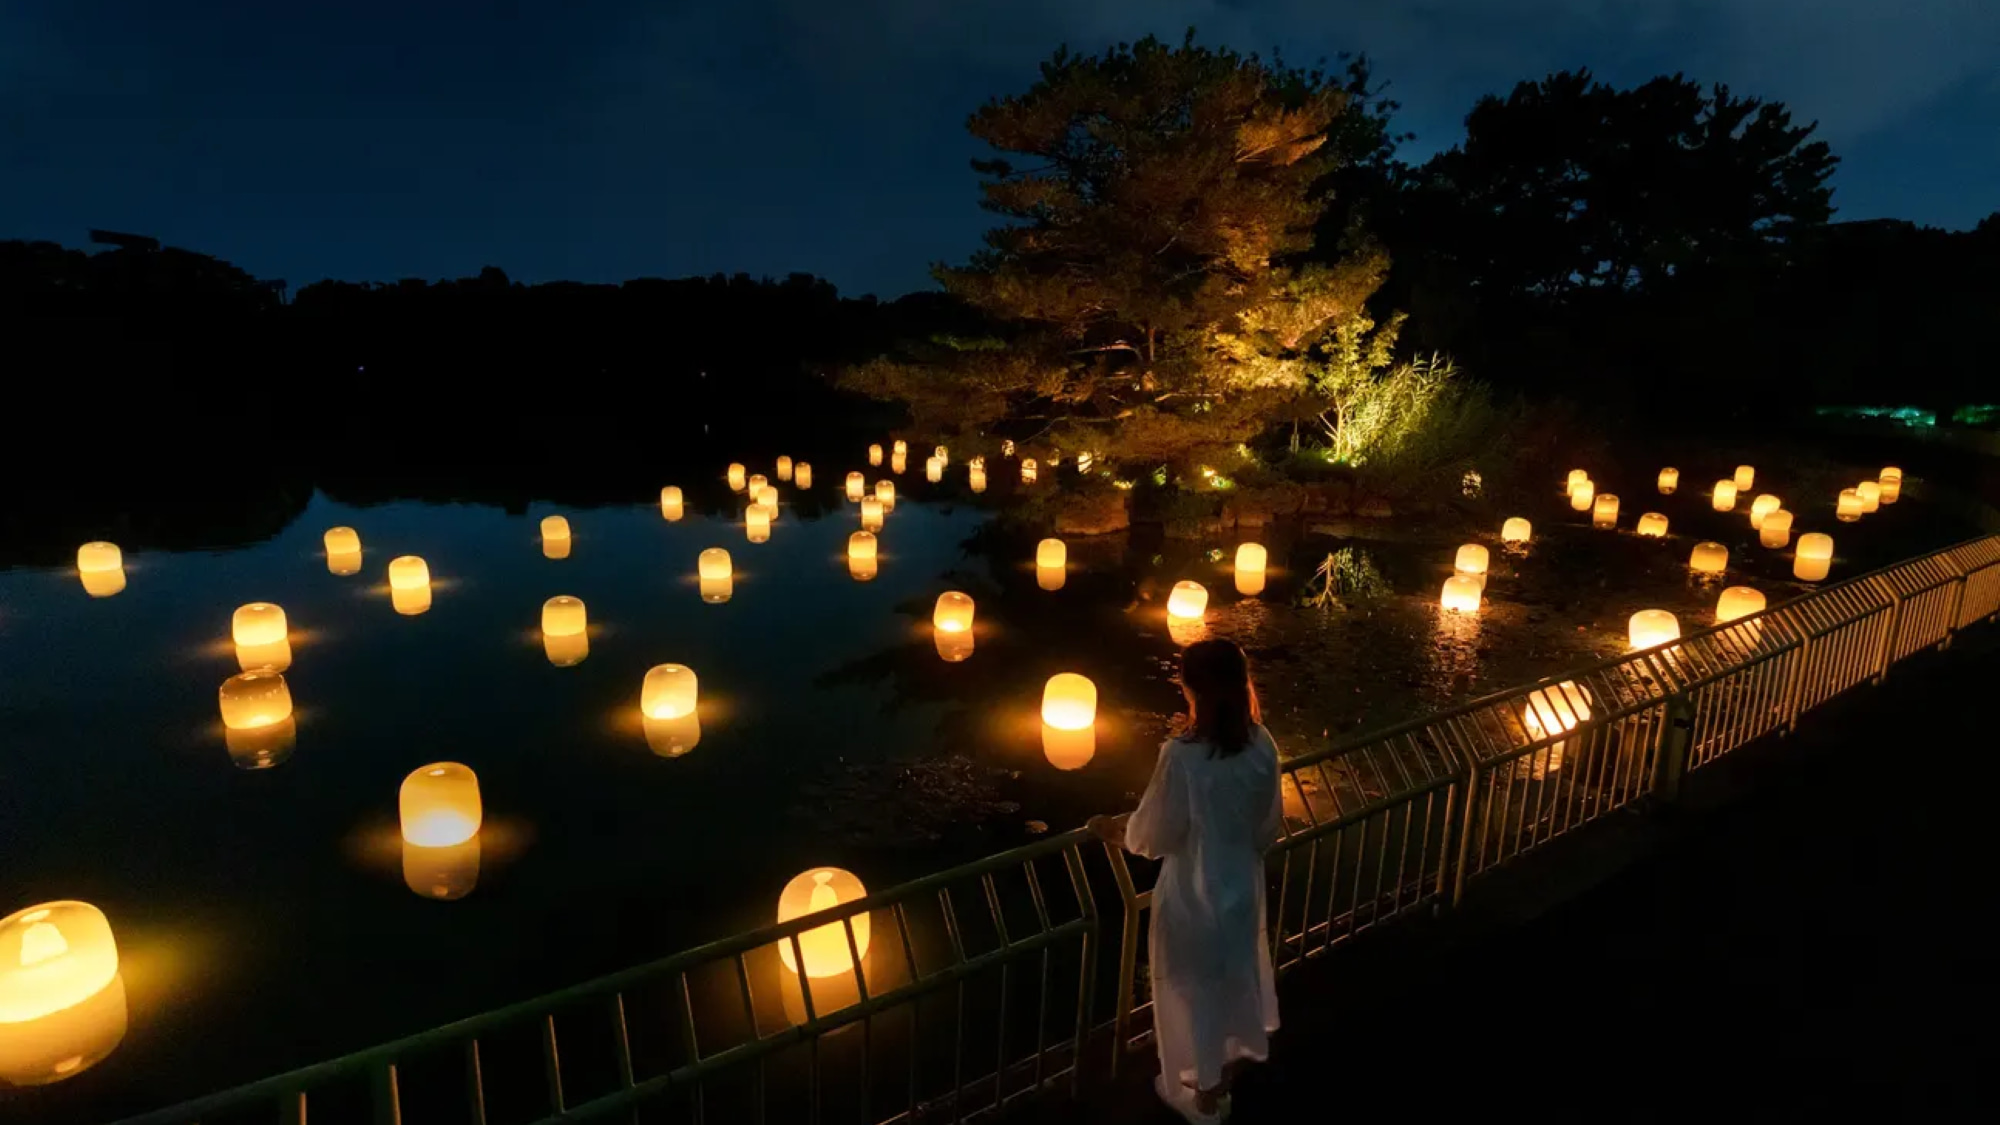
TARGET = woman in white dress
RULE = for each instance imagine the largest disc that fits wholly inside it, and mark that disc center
(1209, 812)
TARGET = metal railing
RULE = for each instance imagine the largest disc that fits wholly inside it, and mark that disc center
(991, 982)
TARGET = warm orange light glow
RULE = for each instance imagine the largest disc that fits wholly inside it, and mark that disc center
(99, 558)
(254, 700)
(757, 523)
(1187, 602)
(670, 738)
(1471, 559)
(1889, 472)
(342, 541)
(1776, 530)
(825, 948)
(1051, 577)
(784, 470)
(1892, 490)
(933, 470)
(942, 454)
(1651, 627)
(274, 655)
(1556, 709)
(953, 612)
(566, 650)
(1516, 530)
(1068, 749)
(871, 514)
(1051, 553)
(976, 477)
(1069, 701)
(1746, 477)
(1007, 447)
(1849, 506)
(669, 691)
(898, 462)
(953, 647)
(64, 1043)
(1814, 557)
(1653, 525)
(1028, 470)
(1709, 558)
(736, 477)
(104, 583)
(1670, 479)
(756, 485)
(446, 874)
(1738, 601)
(555, 529)
(1763, 506)
(874, 455)
(439, 805)
(802, 476)
(1582, 496)
(53, 956)
(1250, 568)
(885, 491)
(563, 616)
(408, 572)
(861, 545)
(412, 601)
(713, 564)
(1461, 594)
(900, 446)
(856, 484)
(672, 507)
(258, 623)
(715, 591)
(1871, 495)
(1723, 499)
(863, 569)
(1604, 511)
(1577, 478)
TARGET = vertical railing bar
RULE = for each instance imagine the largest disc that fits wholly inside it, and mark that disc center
(1086, 982)
(552, 1063)
(1000, 1033)
(1042, 1018)
(685, 999)
(388, 1097)
(475, 1082)
(623, 1043)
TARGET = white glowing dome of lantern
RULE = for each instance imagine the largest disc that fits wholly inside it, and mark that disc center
(953, 612)
(1651, 627)
(1051, 553)
(1069, 701)
(1188, 601)
(1517, 530)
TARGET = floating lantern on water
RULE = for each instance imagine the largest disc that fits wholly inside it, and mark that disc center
(1724, 497)
(1871, 495)
(900, 447)
(1516, 530)
(1028, 470)
(802, 476)
(1848, 507)
(885, 491)
(1577, 477)
(445, 874)
(767, 497)
(871, 514)
(669, 691)
(825, 948)
(670, 738)
(861, 545)
(1709, 558)
(898, 462)
(1461, 594)
(1651, 627)
(1814, 558)
(1889, 473)
(1582, 496)
(784, 470)
(856, 483)
(875, 455)
(713, 564)
(1738, 601)
(1069, 701)
(933, 470)
(1670, 479)
(342, 541)
(1051, 553)
(1762, 507)
(1604, 511)
(255, 700)
(408, 572)
(1471, 561)
(755, 486)
(99, 558)
(976, 477)
(672, 507)
(736, 478)
(1745, 477)
(1776, 530)
(563, 616)
(1892, 488)
(1653, 525)
(439, 805)
(1187, 602)
(1250, 568)
(555, 528)
(953, 613)
(62, 1002)
(258, 623)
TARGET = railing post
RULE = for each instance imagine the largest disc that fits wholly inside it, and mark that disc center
(1465, 824)
(1795, 683)
(1676, 735)
(1951, 620)
(1128, 956)
(1886, 648)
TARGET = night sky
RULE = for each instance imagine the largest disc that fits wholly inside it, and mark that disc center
(607, 139)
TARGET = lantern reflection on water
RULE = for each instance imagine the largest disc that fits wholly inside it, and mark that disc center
(1068, 749)
(104, 583)
(567, 650)
(1653, 525)
(1461, 594)
(953, 647)
(1709, 558)
(976, 478)
(736, 478)
(1604, 511)
(1051, 577)
(1187, 602)
(1670, 479)
(439, 805)
(1776, 530)
(898, 462)
(871, 514)
(1650, 627)
(275, 655)
(1516, 530)
(1723, 499)
(1814, 558)
(825, 948)
(1251, 559)
(933, 470)
(410, 601)
(443, 873)
(62, 1002)
(670, 738)
(671, 505)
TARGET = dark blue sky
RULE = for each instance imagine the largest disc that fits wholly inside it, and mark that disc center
(606, 139)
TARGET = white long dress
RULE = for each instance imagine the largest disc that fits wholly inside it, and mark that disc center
(1210, 819)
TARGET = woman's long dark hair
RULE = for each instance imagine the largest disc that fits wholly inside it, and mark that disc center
(1216, 676)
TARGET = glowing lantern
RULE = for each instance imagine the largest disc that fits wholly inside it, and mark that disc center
(439, 805)
(1083, 462)
(1670, 479)
(1471, 562)
(1709, 558)
(953, 613)
(1888, 473)
(898, 462)
(445, 874)
(1582, 496)
(874, 455)
(1724, 497)
(1577, 478)
(1892, 489)
(671, 505)
(784, 468)
(1557, 709)
(254, 700)
(757, 523)
(885, 491)
(1250, 565)
(1746, 476)
(736, 480)
(1069, 749)
(1815, 557)
(670, 738)
(1849, 506)
(855, 484)
(767, 496)
(1763, 506)
(942, 454)
(104, 583)
(1069, 701)
(1651, 627)
(755, 485)
(342, 541)
(1871, 495)
(563, 616)
(1187, 602)
(1604, 511)
(1051, 553)
(976, 477)
(258, 623)
(713, 564)
(411, 601)
(554, 527)
(933, 470)
(1653, 525)
(566, 651)
(1051, 577)
(408, 572)
(1516, 530)
(62, 1005)
(1461, 594)
(1028, 470)
(1776, 530)
(1738, 601)
(825, 948)
(1007, 447)
(99, 557)
(802, 476)
(669, 691)
(344, 563)
(862, 569)
(871, 514)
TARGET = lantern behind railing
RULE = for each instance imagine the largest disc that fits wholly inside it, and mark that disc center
(1652, 627)
(1746, 476)
(736, 478)
(1724, 497)
(439, 805)
(1670, 479)
(1251, 559)
(1814, 558)
(1761, 507)
(784, 471)
(1582, 496)
(1555, 710)
(1848, 506)
(1604, 511)
(1461, 594)
(1516, 530)
(671, 505)
(825, 948)
(1027, 470)
(1776, 530)
(1709, 558)
(1187, 602)
(856, 483)
(1083, 462)
(1738, 601)
(1653, 525)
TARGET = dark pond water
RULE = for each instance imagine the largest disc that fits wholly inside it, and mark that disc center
(263, 917)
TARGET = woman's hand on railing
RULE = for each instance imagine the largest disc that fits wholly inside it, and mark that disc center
(1110, 829)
